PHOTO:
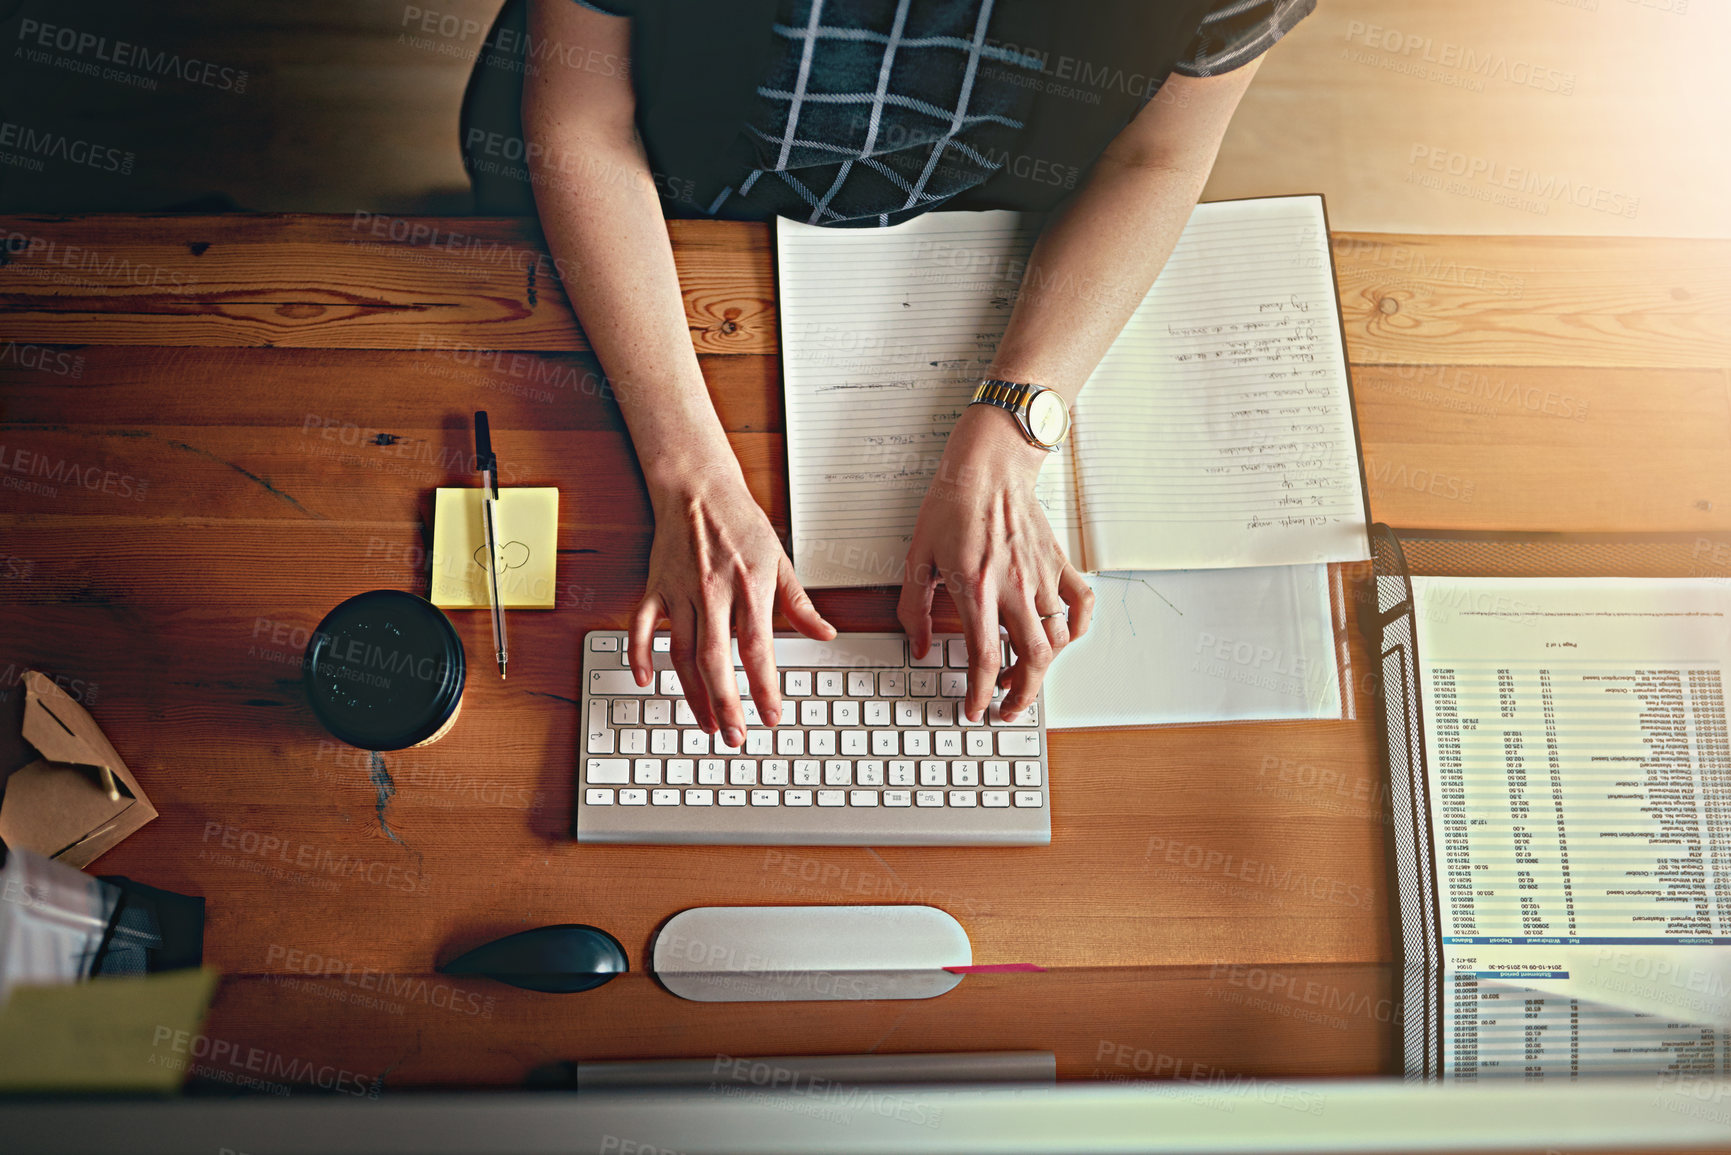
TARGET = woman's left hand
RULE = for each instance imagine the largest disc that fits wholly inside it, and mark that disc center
(983, 536)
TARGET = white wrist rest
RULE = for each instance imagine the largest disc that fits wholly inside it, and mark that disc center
(721, 954)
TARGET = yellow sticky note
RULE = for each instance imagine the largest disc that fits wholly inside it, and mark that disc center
(527, 526)
(108, 1034)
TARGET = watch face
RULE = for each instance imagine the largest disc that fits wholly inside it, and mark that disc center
(1048, 418)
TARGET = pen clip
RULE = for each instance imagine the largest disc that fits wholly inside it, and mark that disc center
(485, 461)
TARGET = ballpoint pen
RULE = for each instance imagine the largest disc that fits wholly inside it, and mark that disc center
(488, 464)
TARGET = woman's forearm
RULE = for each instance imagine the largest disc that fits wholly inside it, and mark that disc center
(1100, 254)
(603, 222)
(1092, 266)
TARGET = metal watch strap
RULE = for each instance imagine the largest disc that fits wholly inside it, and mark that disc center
(1004, 394)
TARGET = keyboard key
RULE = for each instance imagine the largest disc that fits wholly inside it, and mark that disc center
(749, 709)
(869, 772)
(681, 771)
(849, 651)
(830, 683)
(766, 798)
(963, 798)
(957, 653)
(838, 772)
(731, 797)
(721, 746)
(964, 773)
(697, 797)
(917, 742)
(933, 773)
(832, 797)
(759, 742)
(885, 742)
(898, 798)
(893, 684)
(862, 797)
(978, 742)
(947, 743)
(774, 772)
(845, 714)
(901, 773)
(664, 797)
(934, 656)
(994, 797)
(814, 712)
(664, 741)
(790, 741)
(646, 772)
(909, 714)
(634, 798)
(854, 742)
(923, 684)
(928, 798)
(797, 683)
(1018, 743)
(601, 735)
(1027, 798)
(682, 715)
(952, 684)
(607, 772)
(878, 714)
(627, 712)
(806, 772)
(1027, 774)
(1028, 716)
(694, 742)
(860, 683)
(940, 713)
(670, 684)
(742, 772)
(634, 741)
(593, 797)
(612, 683)
(658, 712)
(711, 771)
(603, 643)
(796, 797)
(821, 742)
(997, 773)
(661, 644)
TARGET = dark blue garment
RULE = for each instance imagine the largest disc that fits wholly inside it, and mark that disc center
(869, 112)
(877, 110)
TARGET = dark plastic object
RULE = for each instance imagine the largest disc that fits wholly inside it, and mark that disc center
(384, 670)
(559, 960)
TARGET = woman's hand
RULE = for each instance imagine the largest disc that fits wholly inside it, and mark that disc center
(983, 537)
(716, 566)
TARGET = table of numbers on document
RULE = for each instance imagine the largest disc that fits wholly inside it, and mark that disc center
(1580, 784)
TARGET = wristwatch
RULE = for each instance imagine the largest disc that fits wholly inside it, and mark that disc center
(1041, 413)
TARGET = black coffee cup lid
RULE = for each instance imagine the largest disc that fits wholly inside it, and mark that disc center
(384, 670)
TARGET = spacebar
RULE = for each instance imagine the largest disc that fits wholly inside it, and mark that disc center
(843, 653)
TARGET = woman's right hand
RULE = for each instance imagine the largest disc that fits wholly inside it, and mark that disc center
(717, 567)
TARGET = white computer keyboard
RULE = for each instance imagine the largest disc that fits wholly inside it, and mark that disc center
(873, 750)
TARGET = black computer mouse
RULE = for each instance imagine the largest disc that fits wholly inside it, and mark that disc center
(560, 960)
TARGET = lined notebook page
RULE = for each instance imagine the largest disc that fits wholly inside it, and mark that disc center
(885, 333)
(1217, 430)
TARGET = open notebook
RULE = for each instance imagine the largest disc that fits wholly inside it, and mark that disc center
(1216, 432)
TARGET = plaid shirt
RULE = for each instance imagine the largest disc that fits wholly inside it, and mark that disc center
(875, 111)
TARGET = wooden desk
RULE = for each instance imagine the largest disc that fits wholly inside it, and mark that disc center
(213, 429)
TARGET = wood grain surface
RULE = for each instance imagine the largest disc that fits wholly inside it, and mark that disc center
(215, 428)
